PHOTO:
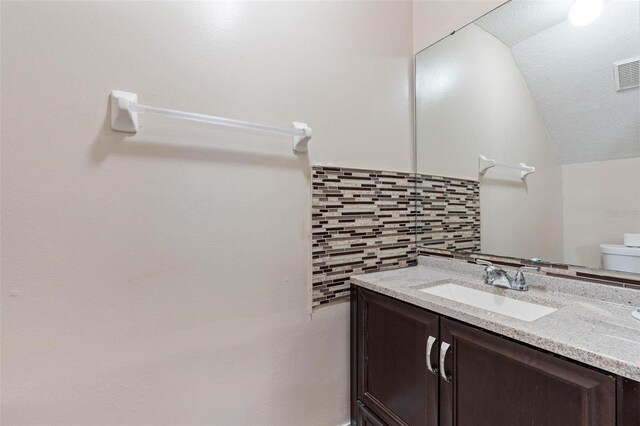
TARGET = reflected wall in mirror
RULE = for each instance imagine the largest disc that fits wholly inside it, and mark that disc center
(526, 87)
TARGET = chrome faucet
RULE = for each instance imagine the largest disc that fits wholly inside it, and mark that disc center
(500, 278)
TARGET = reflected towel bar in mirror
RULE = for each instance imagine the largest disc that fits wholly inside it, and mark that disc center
(485, 164)
(125, 109)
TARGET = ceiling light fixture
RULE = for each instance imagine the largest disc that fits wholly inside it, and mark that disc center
(584, 12)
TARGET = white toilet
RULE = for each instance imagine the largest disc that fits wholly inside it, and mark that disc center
(621, 258)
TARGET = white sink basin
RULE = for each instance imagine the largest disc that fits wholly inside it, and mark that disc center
(524, 311)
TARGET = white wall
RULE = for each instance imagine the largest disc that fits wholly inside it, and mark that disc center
(468, 105)
(163, 278)
(601, 204)
(433, 20)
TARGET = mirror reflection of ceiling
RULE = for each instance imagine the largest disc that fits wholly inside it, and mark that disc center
(569, 72)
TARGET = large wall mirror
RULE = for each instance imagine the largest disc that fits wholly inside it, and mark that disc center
(528, 136)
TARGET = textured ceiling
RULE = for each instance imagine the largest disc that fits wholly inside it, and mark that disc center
(569, 73)
(522, 19)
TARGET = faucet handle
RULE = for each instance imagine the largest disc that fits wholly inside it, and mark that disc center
(484, 263)
(519, 281)
(489, 269)
(528, 268)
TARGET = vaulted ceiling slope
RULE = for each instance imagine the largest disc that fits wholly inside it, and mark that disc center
(569, 72)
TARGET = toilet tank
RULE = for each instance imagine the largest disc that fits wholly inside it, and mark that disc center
(621, 258)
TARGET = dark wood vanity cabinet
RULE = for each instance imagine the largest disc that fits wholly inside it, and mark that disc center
(485, 380)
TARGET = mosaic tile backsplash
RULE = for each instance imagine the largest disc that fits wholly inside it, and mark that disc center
(448, 213)
(362, 221)
(365, 221)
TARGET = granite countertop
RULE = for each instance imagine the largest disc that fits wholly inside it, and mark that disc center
(593, 323)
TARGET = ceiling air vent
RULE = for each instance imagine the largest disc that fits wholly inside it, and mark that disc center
(627, 73)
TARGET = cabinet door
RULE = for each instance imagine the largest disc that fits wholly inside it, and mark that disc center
(628, 401)
(393, 379)
(497, 382)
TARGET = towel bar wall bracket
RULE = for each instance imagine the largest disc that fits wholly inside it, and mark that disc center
(485, 164)
(301, 143)
(123, 119)
(125, 110)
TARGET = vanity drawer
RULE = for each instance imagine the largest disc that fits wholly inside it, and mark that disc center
(366, 418)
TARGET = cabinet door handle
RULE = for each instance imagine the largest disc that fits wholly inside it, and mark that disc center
(444, 347)
(430, 341)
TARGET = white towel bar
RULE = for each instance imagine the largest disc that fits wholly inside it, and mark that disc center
(485, 164)
(125, 109)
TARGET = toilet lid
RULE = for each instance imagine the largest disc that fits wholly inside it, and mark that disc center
(620, 249)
